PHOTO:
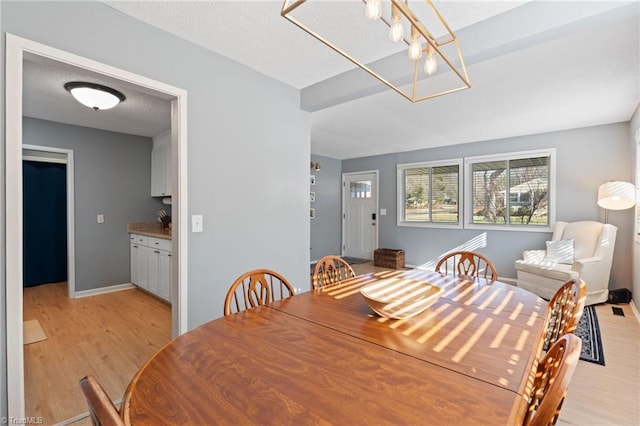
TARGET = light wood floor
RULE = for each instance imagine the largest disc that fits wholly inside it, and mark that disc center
(109, 336)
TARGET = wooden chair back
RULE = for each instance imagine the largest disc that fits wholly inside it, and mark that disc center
(552, 380)
(256, 288)
(467, 263)
(331, 270)
(101, 408)
(565, 310)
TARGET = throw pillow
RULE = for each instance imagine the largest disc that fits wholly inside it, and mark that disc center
(561, 251)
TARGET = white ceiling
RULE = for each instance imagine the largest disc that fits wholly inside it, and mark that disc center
(45, 97)
(534, 66)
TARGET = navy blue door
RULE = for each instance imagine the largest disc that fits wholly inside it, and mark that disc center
(44, 222)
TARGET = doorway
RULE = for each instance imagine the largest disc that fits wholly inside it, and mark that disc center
(61, 157)
(16, 50)
(45, 218)
(359, 214)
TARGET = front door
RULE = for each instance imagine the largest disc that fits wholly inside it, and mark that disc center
(359, 214)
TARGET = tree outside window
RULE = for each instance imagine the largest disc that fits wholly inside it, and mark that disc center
(511, 191)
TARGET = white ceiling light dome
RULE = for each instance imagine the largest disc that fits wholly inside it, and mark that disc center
(93, 95)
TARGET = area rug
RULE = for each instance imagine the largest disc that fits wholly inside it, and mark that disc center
(349, 260)
(355, 260)
(589, 331)
(33, 332)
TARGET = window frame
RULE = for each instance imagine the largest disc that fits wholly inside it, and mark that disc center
(400, 211)
(468, 194)
(637, 185)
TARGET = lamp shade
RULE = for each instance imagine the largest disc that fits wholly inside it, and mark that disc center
(616, 195)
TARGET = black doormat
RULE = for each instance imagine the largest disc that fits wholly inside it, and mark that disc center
(349, 260)
(355, 260)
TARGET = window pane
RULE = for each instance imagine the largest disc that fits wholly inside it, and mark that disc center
(444, 199)
(529, 191)
(416, 195)
(488, 192)
(361, 189)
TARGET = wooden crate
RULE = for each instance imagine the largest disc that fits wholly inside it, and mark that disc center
(389, 258)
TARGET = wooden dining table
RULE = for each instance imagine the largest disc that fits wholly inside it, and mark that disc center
(324, 357)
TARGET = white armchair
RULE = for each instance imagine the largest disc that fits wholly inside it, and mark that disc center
(544, 273)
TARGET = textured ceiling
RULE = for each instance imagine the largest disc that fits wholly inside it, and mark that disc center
(254, 33)
(46, 98)
(535, 67)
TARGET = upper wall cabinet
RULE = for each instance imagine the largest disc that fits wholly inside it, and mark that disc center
(161, 165)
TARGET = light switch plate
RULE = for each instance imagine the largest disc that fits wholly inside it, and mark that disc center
(100, 218)
(383, 212)
(196, 223)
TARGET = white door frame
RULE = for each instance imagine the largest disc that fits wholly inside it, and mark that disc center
(377, 206)
(71, 226)
(15, 49)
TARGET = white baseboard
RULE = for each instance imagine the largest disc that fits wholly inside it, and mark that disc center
(103, 290)
(512, 281)
(635, 311)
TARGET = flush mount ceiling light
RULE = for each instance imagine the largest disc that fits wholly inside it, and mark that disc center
(93, 95)
(387, 38)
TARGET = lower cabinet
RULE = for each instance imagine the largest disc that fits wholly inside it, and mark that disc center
(151, 265)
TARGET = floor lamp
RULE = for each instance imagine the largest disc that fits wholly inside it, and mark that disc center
(616, 195)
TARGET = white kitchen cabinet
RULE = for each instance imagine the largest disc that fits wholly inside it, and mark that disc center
(143, 268)
(161, 165)
(135, 261)
(151, 265)
(164, 274)
(139, 260)
(154, 273)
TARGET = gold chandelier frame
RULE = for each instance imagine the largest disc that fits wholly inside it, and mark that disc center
(461, 73)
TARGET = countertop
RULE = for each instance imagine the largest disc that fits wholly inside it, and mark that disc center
(150, 229)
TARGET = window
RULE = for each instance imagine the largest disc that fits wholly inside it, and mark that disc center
(512, 189)
(360, 189)
(429, 193)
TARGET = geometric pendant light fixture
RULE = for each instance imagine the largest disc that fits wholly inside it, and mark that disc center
(406, 45)
(93, 95)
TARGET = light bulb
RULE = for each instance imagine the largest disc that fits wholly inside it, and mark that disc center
(431, 64)
(396, 30)
(415, 49)
(373, 10)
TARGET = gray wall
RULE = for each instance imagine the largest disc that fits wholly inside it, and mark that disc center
(248, 145)
(325, 228)
(635, 285)
(113, 178)
(586, 158)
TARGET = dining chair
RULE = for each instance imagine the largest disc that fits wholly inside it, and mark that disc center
(552, 381)
(565, 310)
(101, 408)
(467, 263)
(331, 270)
(255, 288)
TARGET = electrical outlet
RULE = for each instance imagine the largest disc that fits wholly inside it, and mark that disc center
(196, 223)
(100, 218)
